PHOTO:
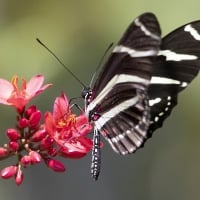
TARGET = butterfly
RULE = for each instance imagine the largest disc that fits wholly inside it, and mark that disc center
(138, 86)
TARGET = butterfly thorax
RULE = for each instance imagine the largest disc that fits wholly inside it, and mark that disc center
(88, 94)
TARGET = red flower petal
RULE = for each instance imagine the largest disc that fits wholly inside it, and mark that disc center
(50, 124)
(82, 125)
(69, 153)
(61, 107)
(76, 149)
(6, 89)
(86, 142)
(33, 87)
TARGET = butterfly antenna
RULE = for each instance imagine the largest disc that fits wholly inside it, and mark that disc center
(64, 66)
(100, 62)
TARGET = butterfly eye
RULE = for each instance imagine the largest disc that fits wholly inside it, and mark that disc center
(85, 92)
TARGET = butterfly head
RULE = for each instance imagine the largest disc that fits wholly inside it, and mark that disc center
(86, 94)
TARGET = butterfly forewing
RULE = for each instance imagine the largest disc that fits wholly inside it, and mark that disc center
(177, 65)
(141, 39)
(119, 96)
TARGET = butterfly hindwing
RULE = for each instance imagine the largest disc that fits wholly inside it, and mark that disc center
(177, 65)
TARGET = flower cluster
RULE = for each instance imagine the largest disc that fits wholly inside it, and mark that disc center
(30, 141)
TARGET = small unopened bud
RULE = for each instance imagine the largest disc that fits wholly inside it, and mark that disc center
(35, 119)
(47, 143)
(26, 160)
(23, 123)
(12, 134)
(13, 145)
(39, 135)
(30, 111)
(3, 152)
(8, 172)
(19, 176)
(55, 165)
(35, 157)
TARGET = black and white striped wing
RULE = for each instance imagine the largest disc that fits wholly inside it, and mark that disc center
(177, 66)
(119, 103)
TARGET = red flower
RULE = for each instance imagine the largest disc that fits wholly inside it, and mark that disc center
(63, 133)
(68, 130)
(11, 94)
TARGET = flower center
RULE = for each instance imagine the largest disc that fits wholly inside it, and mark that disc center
(17, 92)
(67, 121)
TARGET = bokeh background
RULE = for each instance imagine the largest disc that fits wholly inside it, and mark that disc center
(79, 32)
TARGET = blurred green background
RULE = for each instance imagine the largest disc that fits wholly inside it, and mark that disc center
(79, 32)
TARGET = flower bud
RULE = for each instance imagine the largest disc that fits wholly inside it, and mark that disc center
(23, 123)
(35, 119)
(19, 176)
(30, 111)
(12, 134)
(13, 145)
(35, 157)
(38, 135)
(8, 172)
(3, 152)
(47, 143)
(55, 165)
(26, 160)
